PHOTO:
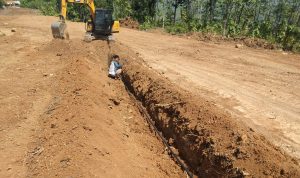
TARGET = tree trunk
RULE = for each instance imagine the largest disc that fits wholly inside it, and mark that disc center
(226, 17)
(175, 12)
(240, 15)
(212, 5)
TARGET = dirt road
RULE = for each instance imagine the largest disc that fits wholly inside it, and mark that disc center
(60, 114)
(260, 87)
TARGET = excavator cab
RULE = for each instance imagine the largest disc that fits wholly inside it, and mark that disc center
(103, 22)
(103, 26)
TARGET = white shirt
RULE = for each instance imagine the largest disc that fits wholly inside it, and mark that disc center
(112, 69)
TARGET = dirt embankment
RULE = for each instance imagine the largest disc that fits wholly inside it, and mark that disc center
(211, 142)
(240, 41)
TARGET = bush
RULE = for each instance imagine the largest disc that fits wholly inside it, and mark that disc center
(46, 7)
(178, 28)
(1, 3)
(147, 24)
(33, 4)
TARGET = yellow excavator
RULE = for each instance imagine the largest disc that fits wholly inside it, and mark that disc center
(100, 25)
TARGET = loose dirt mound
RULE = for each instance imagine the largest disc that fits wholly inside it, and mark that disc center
(211, 142)
(128, 22)
(249, 42)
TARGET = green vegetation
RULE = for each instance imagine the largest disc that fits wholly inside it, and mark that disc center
(46, 7)
(277, 21)
(1, 3)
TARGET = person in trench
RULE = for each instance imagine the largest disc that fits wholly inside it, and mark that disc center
(115, 68)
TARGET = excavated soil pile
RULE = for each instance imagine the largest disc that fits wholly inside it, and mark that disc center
(247, 41)
(210, 141)
(128, 22)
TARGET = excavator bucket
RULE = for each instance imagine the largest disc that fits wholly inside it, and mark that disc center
(59, 30)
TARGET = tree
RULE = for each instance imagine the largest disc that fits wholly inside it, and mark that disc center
(1, 3)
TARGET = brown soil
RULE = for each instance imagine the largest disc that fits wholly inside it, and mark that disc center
(128, 22)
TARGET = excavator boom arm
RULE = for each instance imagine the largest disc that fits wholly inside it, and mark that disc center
(89, 3)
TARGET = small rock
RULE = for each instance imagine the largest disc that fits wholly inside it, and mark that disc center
(245, 173)
(87, 128)
(175, 151)
(116, 102)
(282, 172)
(238, 45)
(171, 141)
(53, 126)
(37, 151)
(13, 30)
(65, 162)
(242, 138)
(59, 54)
(271, 115)
(2, 34)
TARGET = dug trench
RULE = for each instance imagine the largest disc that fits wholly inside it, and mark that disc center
(210, 141)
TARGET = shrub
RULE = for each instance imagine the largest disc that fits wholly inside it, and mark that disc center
(148, 24)
(178, 28)
(1, 3)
